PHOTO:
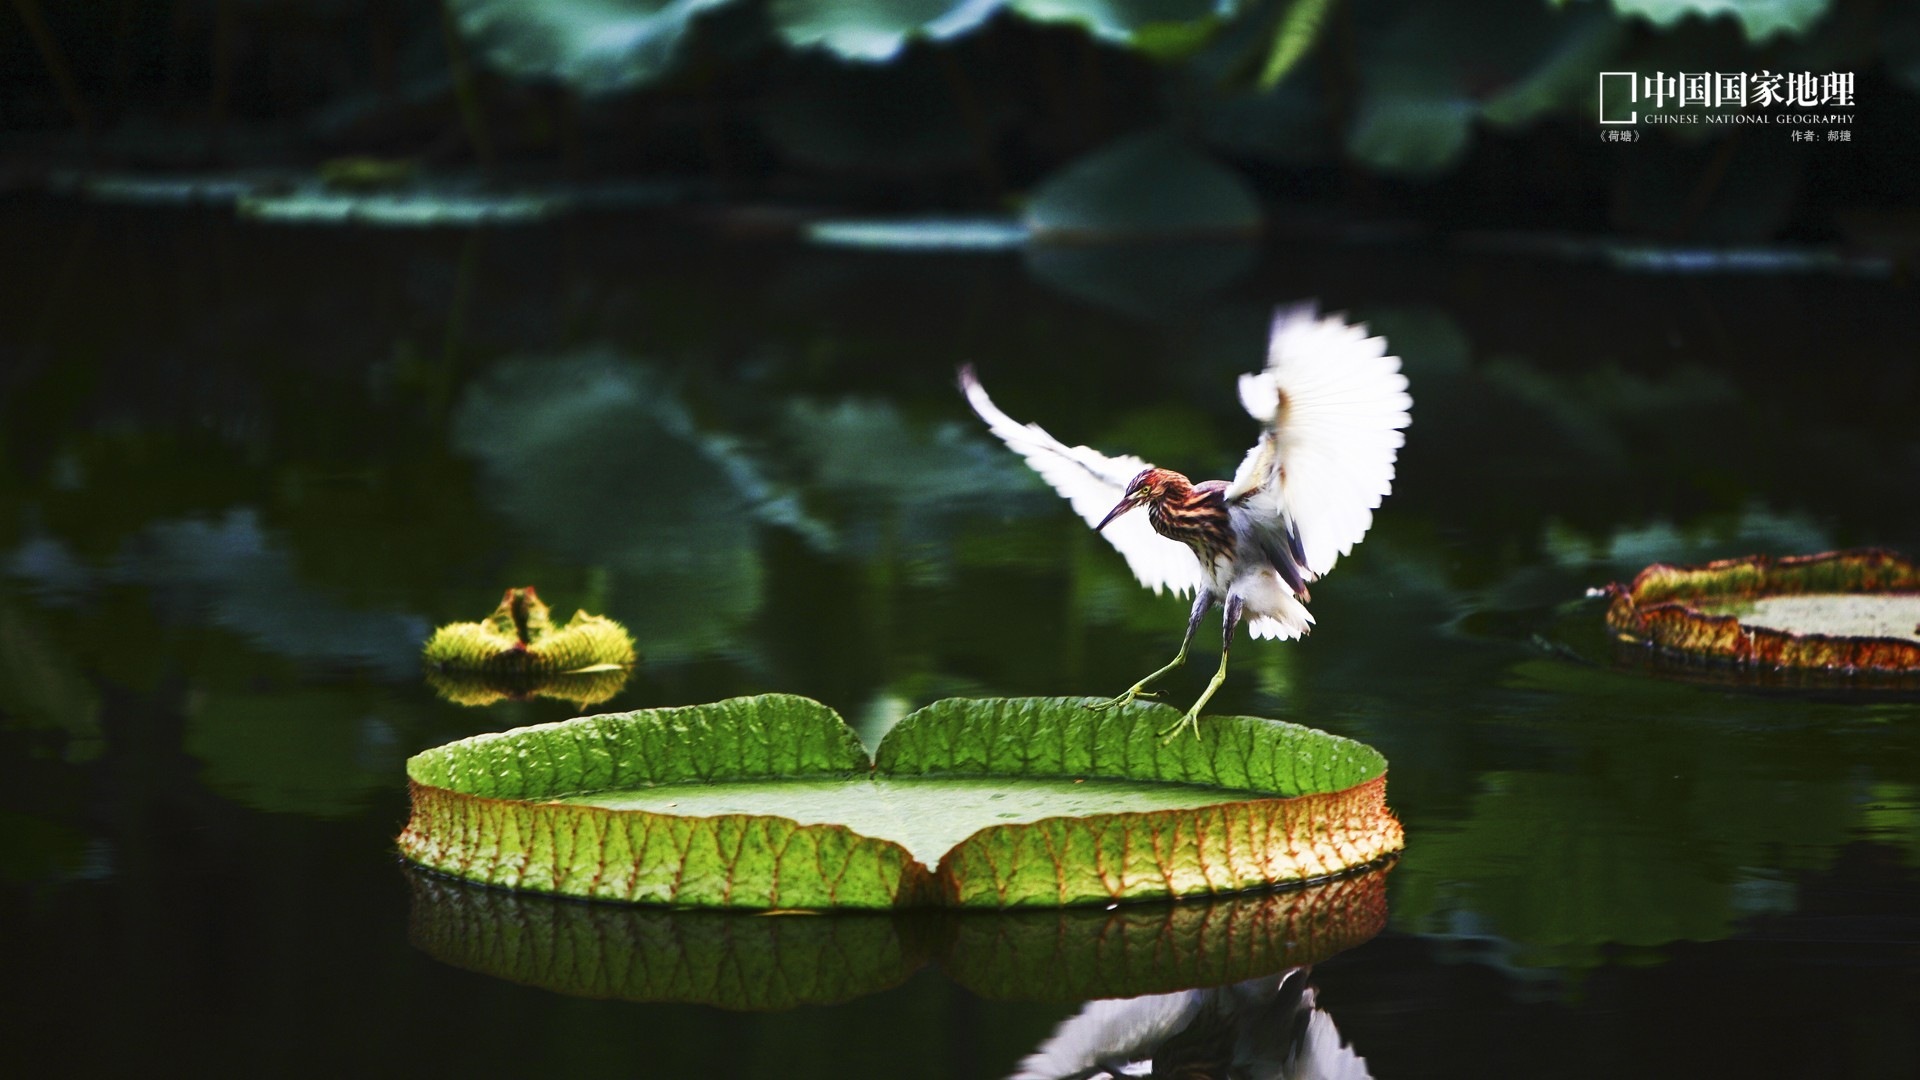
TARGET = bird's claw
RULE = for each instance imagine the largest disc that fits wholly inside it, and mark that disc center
(1123, 699)
(1188, 720)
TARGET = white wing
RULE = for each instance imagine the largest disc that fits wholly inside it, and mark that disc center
(1093, 483)
(1334, 403)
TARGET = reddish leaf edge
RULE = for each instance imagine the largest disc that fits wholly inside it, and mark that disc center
(1659, 611)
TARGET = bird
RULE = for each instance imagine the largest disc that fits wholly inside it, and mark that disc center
(1332, 406)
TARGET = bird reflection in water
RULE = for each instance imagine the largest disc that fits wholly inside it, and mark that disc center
(1263, 1029)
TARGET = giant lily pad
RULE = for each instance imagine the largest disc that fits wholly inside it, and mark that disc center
(1849, 615)
(771, 803)
(739, 960)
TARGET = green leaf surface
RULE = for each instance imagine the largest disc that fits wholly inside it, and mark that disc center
(770, 802)
(928, 817)
(1060, 737)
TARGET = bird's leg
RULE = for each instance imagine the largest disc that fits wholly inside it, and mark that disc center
(1231, 620)
(1202, 603)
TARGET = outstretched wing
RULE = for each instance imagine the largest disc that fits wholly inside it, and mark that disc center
(1333, 403)
(1093, 483)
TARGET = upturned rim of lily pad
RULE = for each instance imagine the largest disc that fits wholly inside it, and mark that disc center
(491, 808)
(747, 961)
(1663, 611)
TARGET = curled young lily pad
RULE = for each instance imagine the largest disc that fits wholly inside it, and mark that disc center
(771, 803)
(518, 652)
(1845, 616)
(750, 961)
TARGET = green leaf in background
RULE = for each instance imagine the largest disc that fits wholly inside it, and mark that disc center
(1562, 75)
(424, 209)
(1128, 22)
(765, 803)
(1428, 73)
(1148, 185)
(737, 960)
(1759, 19)
(544, 430)
(42, 689)
(874, 30)
(593, 46)
(1411, 134)
(1293, 37)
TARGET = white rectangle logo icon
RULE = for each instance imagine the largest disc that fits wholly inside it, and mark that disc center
(1633, 79)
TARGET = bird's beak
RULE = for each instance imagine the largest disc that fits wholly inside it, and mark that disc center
(1126, 504)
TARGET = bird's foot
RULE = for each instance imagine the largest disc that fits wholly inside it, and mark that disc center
(1188, 720)
(1138, 690)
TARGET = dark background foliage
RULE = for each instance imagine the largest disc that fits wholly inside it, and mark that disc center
(1468, 112)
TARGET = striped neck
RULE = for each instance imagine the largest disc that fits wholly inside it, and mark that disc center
(1197, 517)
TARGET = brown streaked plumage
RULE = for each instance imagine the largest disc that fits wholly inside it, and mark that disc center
(1193, 514)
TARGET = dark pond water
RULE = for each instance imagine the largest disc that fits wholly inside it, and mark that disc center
(246, 469)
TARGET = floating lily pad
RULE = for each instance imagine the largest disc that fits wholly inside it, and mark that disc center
(518, 652)
(738, 960)
(920, 234)
(1853, 616)
(770, 802)
(398, 209)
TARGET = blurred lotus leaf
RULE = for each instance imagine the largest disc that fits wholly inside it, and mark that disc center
(1293, 37)
(593, 46)
(403, 209)
(1152, 185)
(366, 173)
(580, 451)
(1429, 72)
(1163, 26)
(1759, 19)
(517, 652)
(239, 576)
(875, 30)
(41, 687)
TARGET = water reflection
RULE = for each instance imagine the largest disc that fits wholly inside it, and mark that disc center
(748, 961)
(1269, 1028)
(579, 689)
